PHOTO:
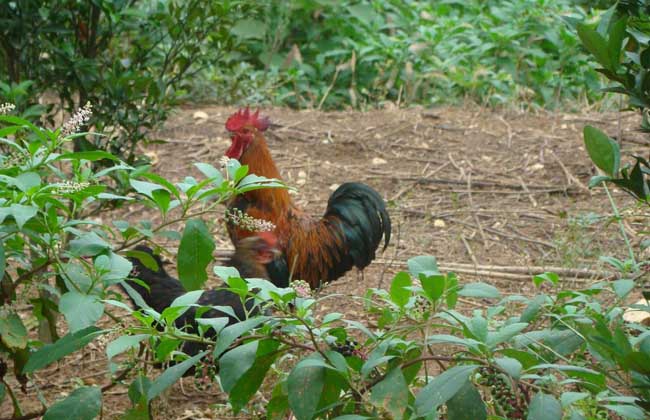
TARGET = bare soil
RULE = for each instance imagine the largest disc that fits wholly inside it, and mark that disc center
(495, 196)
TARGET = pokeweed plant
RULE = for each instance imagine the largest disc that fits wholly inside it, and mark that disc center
(57, 258)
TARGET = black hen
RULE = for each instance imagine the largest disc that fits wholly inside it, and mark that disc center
(249, 258)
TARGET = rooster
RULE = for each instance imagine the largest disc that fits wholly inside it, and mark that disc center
(249, 258)
(315, 250)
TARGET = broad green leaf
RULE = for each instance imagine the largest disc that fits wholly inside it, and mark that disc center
(433, 285)
(145, 258)
(568, 398)
(224, 273)
(511, 366)
(88, 245)
(399, 292)
(250, 380)
(92, 155)
(145, 188)
(628, 412)
(210, 172)
(442, 388)
(20, 213)
(28, 180)
(81, 311)
(65, 345)
(139, 388)
(552, 278)
(604, 152)
(118, 268)
(124, 343)
(466, 404)
(391, 393)
(83, 403)
(249, 28)
(505, 333)
(423, 264)
(623, 287)
(596, 44)
(233, 364)
(232, 332)
(3, 261)
(480, 290)
(12, 331)
(194, 254)
(305, 385)
(171, 375)
(544, 407)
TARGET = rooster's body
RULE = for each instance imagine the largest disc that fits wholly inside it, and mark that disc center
(314, 250)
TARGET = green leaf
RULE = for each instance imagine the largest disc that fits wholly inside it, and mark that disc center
(139, 388)
(466, 404)
(124, 343)
(171, 375)
(145, 188)
(544, 407)
(117, 269)
(532, 310)
(569, 398)
(305, 385)
(81, 311)
(88, 245)
(480, 290)
(552, 278)
(92, 155)
(391, 393)
(596, 45)
(511, 366)
(423, 264)
(623, 287)
(83, 403)
(603, 151)
(505, 333)
(597, 180)
(3, 261)
(210, 172)
(194, 254)
(20, 213)
(433, 286)
(629, 412)
(224, 273)
(250, 380)
(235, 363)
(249, 28)
(12, 331)
(65, 345)
(232, 332)
(442, 388)
(399, 293)
(28, 180)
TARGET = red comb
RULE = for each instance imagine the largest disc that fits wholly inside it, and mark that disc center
(244, 117)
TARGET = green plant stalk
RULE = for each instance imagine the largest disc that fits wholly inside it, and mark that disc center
(619, 219)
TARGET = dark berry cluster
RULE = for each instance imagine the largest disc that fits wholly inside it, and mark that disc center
(349, 347)
(204, 375)
(502, 392)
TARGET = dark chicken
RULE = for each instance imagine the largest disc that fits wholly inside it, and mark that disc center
(249, 258)
(314, 250)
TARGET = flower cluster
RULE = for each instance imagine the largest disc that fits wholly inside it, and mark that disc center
(223, 161)
(6, 108)
(77, 120)
(70, 187)
(302, 288)
(246, 222)
(13, 159)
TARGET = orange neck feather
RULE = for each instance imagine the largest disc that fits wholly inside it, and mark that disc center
(258, 158)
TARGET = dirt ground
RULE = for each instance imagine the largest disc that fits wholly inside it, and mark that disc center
(495, 196)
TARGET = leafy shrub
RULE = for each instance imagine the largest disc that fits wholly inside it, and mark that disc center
(132, 60)
(54, 255)
(331, 54)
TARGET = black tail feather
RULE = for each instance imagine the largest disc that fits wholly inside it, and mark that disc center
(361, 215)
